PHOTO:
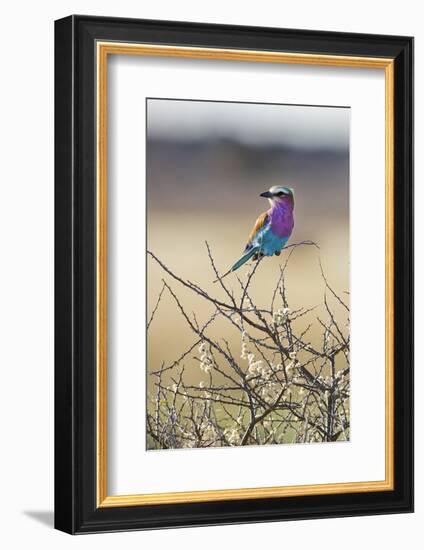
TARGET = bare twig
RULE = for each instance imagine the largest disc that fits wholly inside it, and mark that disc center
(280, 387)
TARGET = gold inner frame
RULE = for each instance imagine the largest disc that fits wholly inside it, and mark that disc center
(104, 49)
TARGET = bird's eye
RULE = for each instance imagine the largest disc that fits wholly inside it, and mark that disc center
(279, 194)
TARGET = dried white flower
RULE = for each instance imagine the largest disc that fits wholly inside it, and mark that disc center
(276, 318)
(205, 367)
(244, 351)
(290, 367)
(232, 435)
(206, 361)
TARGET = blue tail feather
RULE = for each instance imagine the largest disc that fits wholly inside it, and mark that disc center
(245, 258)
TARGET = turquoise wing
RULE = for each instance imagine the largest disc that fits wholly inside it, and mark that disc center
(260, 225)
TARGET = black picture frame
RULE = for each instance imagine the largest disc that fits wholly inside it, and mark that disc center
(76, 510)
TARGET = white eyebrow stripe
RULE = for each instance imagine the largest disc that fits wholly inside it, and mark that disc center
(279, 189)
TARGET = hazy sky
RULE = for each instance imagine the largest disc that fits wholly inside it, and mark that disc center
(292, 125)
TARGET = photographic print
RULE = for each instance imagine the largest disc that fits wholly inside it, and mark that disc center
(247, 274)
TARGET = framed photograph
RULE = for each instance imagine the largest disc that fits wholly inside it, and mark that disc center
(234, 255)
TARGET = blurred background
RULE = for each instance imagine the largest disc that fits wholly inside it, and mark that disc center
(207, 163)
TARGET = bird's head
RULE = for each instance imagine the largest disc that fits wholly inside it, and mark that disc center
(279, 194)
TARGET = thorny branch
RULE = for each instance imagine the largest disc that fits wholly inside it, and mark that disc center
(278, 388)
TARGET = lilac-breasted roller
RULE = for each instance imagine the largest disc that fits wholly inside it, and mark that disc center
(272, 229)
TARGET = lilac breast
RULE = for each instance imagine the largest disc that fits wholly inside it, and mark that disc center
(281, 216)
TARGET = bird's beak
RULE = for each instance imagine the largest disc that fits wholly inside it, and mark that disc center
(266, 195)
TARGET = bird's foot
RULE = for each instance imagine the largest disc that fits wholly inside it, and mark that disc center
(257, 257)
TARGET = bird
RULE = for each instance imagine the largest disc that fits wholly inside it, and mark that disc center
(272, 229)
